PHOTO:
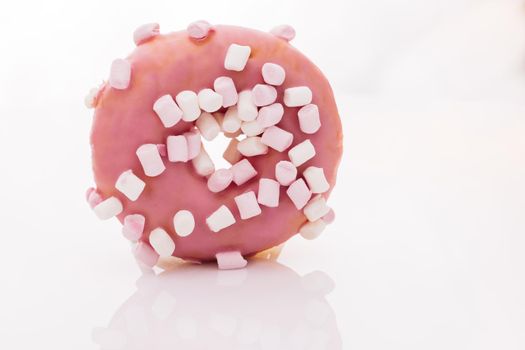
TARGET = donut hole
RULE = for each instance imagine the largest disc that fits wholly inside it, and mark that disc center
(216, 148)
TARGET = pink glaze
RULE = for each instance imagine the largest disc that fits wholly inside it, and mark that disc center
(174, 62)
(163, 151)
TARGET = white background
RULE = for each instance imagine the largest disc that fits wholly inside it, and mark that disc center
(427, 249)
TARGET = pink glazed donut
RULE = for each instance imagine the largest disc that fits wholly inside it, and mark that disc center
(153, 173)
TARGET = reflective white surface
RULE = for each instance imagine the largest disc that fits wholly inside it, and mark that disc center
(427, 248)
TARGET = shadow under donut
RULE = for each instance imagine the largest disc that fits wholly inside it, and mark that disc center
(265, 306)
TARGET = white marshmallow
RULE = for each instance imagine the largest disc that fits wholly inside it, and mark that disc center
(208, 126)
(209, 100)
(246, 109)
(252, 146)
(167, 110)
(184, 223)
(316, 209)
(237, 57)
(177, 147)
(161, 242)
(220, 219)
(150, 159)
(273, 74)
(189, 104)
(108, 208)
(226, 88)
(297, 96)
(231, 122)
(203, 164)
(130, 185)
(301, 153)
(316, 180)
(90, 98)
(252, 128)
(312, 230)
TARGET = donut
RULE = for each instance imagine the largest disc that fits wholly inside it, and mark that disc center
(153, 173)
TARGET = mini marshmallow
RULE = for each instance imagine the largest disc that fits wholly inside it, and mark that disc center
(150, 160)
(93, 197)
(309, 121)
(284, 31)
(231, 122)
(252, 146)
(189, 104)
(145, 254)
(231, 154)
(301, 153)
(273, 74)
(193, 140)
(108, 208)
(208, 126)
(242, 172)
(167, 110)
(198, 29)
(252, 128)
(220, 219)
(236, 57)
(226, 88)
(145, 32)
(120, 74)
(163, 151)
(263, 95)
(203, 164)
(316, 209)
(312, 230)
(299, 193)
(329, 217)
(246, 109)
(177, 148)
(230, 260)
(316, 180)
(130, 185)
(285, 172)
(297, 96)
(184, 223)
(133, 227)
(209, 100)
(220, 180)
(270, 115)
(247, 205)
(91, 98)
(161, 241)
(232, 135)
(268, 193)
(277, 138)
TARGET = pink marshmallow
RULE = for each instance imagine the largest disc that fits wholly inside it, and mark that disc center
(230, 260)
(225, 87)
(199, 29)
(177, 148)
(268, 193)
(133, 227)
(120, 74)
(193, 140)
(285, 32)
(162, 150)
(145, 254)
(309, 121)
(277, 138)
(247, 205)
(242, 172)
(299, 193)
(285, 172)
(145, 32)
(263, 95)
(273, 74)
(270, 115)
(220, 180)
(167, 111)
(93, 197)
(330, 217)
